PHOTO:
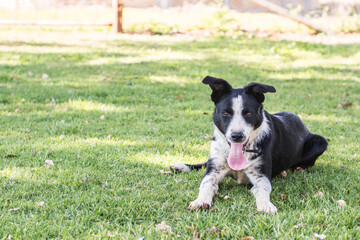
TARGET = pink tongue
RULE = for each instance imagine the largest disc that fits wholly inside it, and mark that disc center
(236, 160)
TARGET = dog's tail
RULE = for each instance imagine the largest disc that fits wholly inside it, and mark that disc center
(183, 167)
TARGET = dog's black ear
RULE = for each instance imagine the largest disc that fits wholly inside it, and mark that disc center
(258, 90)
(219, 86)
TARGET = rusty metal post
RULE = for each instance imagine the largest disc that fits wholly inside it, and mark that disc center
(118, 9)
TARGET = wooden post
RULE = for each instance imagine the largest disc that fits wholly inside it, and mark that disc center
(118, 9)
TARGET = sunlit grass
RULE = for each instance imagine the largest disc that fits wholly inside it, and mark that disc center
(115, 110)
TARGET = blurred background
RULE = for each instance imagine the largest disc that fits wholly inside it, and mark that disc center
(184, 16)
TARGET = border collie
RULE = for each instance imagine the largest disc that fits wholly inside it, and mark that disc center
(250, 145)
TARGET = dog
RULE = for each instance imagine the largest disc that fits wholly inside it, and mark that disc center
(250, 145)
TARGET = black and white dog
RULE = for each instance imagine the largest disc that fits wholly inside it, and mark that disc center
(251, 145)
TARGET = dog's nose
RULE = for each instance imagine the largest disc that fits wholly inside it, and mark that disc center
(237, 137)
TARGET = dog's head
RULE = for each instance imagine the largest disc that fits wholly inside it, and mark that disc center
(238, 112)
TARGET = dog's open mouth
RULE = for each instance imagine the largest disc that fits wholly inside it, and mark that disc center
(237, 159)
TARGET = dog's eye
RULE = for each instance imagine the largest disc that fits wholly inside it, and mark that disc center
(226, 114)
(248, 114)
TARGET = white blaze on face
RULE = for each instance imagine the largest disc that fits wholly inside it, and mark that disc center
(238, 123)
(237, 159)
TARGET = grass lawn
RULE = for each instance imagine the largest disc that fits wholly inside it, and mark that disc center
(112, 111)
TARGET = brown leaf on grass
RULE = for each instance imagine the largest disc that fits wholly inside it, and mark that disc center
(11, 156)
(299, 169)
(49, 163)
(247, 238)
(179, 96)
(282, 174)
(214, 229)
(41, 203)
(188, 227)
(165, 172)
(302, 192)
(208, 136)
(344, 104)
(318, 194)
(195, 237)
(321, 236)
(341, 203)
(86, 179)
(17, 110)
(162, 227)
(283, 196)
(308, 96)
(13, 209)
(14, 77)
(298, 226)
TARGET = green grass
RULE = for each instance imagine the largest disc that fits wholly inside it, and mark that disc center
(157, 113)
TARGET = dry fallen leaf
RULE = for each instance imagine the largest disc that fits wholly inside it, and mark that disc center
(214, 229)
(179, 96)
(188, 227)
(195, 237)
(17, 110)
(11, 156)
(298, 226)
(341, 203)
(345, 103)
(247, 238)
(49, 163)
(162, 227)
(282, 174)
(299, 169)
(209, 136)
(318, 194)
(321, 236)
(41, 203)
(165, 172)
(102, 117)
(13, 209)
(283, 196)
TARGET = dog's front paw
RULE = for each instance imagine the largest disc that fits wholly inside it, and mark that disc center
(264, 206)
(199, 203)
(180, 167)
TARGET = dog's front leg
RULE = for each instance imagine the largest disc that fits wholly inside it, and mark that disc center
(208, 187)
(261, 190)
